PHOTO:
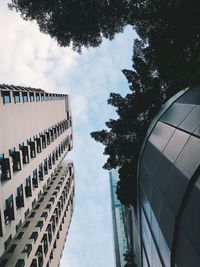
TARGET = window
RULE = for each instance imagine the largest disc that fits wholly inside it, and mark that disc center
(27, 249)
(26, 224)
(49, 162)
(40, 172)
(39, 254)
(32, 148)
(16, 96)
(48, 229)
(25, 154)
(39, 224)
(7, 242)
(45, 166)
(45, 243)
(20, 263)
(4, 168)
(38, 142)
(19, 236)
(18, 225)
(34, 236)
(32, 98)
(48, 138)
(28, 190)
(47, 97)
(42, 97)
(9, 211)
(33, 263)
(25, 97)
(12, 248)
(34, 179)
(16, 162)
(26, 214)
(32, 213)
(37, 97)
(20, 197)
(6, 97)
(44, 143)
(45, 215)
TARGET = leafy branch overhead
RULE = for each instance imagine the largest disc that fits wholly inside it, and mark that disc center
(125, 135)
(173, 40)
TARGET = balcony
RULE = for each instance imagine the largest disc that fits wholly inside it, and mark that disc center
(5, 169)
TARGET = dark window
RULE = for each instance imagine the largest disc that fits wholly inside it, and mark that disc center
(45, 166)
(16, 162)
(25, 97)
(20, 197)
(1, 229)
(45, 243)
(39, 254)
(32, 214)
(40, 224)
(25, 154)
(20, 263)
(12, 248)
(38, 143)
(49, 162)
(42, 97)
(19, 236)
(49, 232)
(5, 169)
(7, 242)
(6, 97)
(47, 97)
(26, 224)
(37, 97)
(33, 202)
(40, 172)
(27, 249)
(44, 143)
(48, 138)
(45, 215)
(33, 263)
(32, 98)
(9, 211)
(18, 225)
(34, 179)
(34, 236)
(16, 96)
(28, 190)
(26, 213)
(32, 148)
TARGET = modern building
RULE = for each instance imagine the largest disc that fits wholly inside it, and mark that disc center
(168, 208)
(122, 224)
(36, 183)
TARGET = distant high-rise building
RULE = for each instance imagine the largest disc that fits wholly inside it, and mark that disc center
(36, 183)
(122, 224)
(167, 215)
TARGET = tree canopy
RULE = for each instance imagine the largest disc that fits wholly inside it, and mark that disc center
(170, 29)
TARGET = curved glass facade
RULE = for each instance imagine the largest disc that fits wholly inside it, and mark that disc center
(169, 185)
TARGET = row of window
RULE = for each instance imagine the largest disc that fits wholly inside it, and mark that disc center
(31, 184)
(30, 150)
(51, 228)
(29, 97)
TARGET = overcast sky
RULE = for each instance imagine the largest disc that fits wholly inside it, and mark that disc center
(30, 58)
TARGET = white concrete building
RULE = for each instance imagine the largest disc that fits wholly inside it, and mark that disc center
(36, 185)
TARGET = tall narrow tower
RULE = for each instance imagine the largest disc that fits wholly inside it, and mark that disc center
(36, 183)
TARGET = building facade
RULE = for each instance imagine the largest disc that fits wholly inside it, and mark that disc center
(168, 210)
(36, 184)
(122, 224)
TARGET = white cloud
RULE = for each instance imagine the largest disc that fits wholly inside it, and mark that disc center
(31, 58)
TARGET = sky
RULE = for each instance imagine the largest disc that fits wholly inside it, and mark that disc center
(30, 58)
